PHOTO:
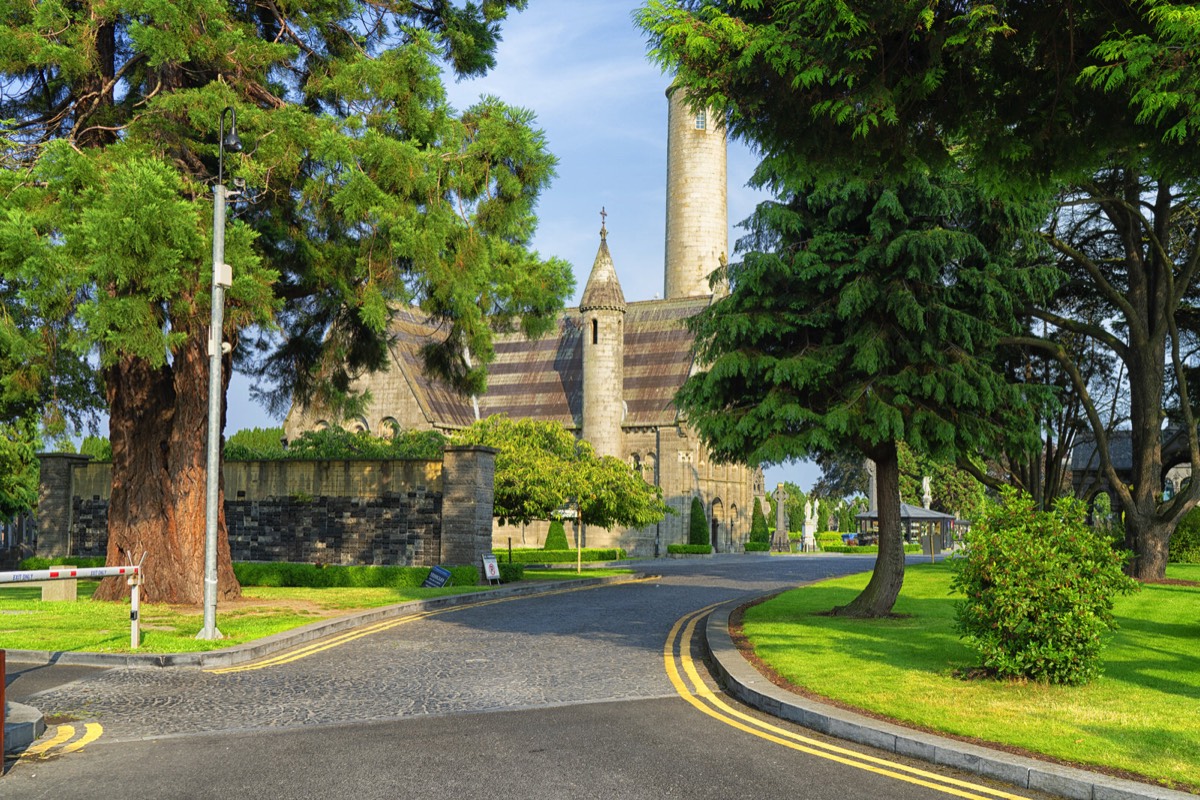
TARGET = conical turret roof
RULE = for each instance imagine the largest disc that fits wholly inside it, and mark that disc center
(603, 290)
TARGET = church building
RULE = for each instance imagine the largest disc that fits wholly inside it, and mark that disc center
(610, 369)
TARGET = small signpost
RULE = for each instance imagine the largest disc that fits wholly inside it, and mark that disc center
(438, 577)
(491, 569)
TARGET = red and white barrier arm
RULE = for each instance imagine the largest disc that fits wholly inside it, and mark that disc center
(64, 574)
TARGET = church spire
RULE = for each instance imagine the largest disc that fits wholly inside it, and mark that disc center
(602, 312)
(603, 290)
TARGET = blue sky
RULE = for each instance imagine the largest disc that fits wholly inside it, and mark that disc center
(582, 68)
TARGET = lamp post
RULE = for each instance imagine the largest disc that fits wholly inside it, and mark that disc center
(222, 277)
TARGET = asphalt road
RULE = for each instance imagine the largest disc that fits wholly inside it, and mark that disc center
(569, 695)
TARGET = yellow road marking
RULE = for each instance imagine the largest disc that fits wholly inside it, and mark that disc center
(92, 731)
(329, 643)
(64, 733)
(702, 696)
(57, 744)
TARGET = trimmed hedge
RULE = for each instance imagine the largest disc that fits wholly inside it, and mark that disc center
(827, 539)
(68, 561)
(281, 573)
(511, 573)
(539, 556)
(556, 537)
(866, 548)
(758, 547)
(689, 549)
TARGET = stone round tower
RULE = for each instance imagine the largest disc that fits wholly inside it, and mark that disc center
(697, 206)
(602, 308)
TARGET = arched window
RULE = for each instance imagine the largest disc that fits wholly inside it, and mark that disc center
(701, 120)
(595, 331)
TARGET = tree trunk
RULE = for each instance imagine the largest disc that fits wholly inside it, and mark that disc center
(158, 421)
(1149, 543)
(879, 596)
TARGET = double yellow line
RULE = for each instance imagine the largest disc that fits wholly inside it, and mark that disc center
(60, 743)
(331, 642)
(695, 691)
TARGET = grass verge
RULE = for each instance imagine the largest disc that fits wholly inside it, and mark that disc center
(26, 623)
(1139, 718)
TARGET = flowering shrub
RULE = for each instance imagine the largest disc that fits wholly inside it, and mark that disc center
(1039, 589)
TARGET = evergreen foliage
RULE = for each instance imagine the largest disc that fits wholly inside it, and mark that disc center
(556, 537)
(1039, 589)
(365, 194)
(758, 525)
(18, 471)
(698, 533)
(863, 314)
(1090, 106)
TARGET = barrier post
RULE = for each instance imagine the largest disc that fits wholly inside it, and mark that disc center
(3, 706)
(135, 637)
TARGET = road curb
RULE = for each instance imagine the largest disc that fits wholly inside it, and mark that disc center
(745, 683)
(22, 726)
(260, 648)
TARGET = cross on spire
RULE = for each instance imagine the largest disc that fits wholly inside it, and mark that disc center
(603, 229)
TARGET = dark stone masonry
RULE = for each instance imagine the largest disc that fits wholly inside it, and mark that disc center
(331, 512)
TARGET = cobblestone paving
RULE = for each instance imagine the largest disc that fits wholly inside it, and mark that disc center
(595, 645)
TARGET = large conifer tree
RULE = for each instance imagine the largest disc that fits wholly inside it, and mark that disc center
(363, 190)
(1088, 101)
(864, 313)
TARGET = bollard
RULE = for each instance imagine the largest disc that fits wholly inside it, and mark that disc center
(135, 635)
(3, 707)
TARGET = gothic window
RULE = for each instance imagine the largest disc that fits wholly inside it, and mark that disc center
(701, 120)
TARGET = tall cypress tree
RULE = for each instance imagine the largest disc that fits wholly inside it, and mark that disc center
(758, 525)
(698, 524)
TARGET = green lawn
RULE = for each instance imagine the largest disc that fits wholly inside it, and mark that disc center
(1141, 716)
(26, 623)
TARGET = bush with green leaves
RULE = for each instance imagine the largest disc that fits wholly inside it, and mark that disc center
(265, 444)
(758, 547)
(556, 537)
(759, 533)
(1039, 589)
(828, 539)
(98, 447)
(689, 549)
(255, 444)
(1185, 541)
(698, 524)
(566, 556)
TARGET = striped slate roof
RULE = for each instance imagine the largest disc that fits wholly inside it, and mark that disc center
(543, 378)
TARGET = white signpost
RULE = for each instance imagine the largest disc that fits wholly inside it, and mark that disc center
(491, 569)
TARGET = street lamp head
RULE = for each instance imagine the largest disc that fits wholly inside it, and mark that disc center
(229, 142)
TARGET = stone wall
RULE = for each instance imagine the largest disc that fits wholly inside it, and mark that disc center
(333, 512)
